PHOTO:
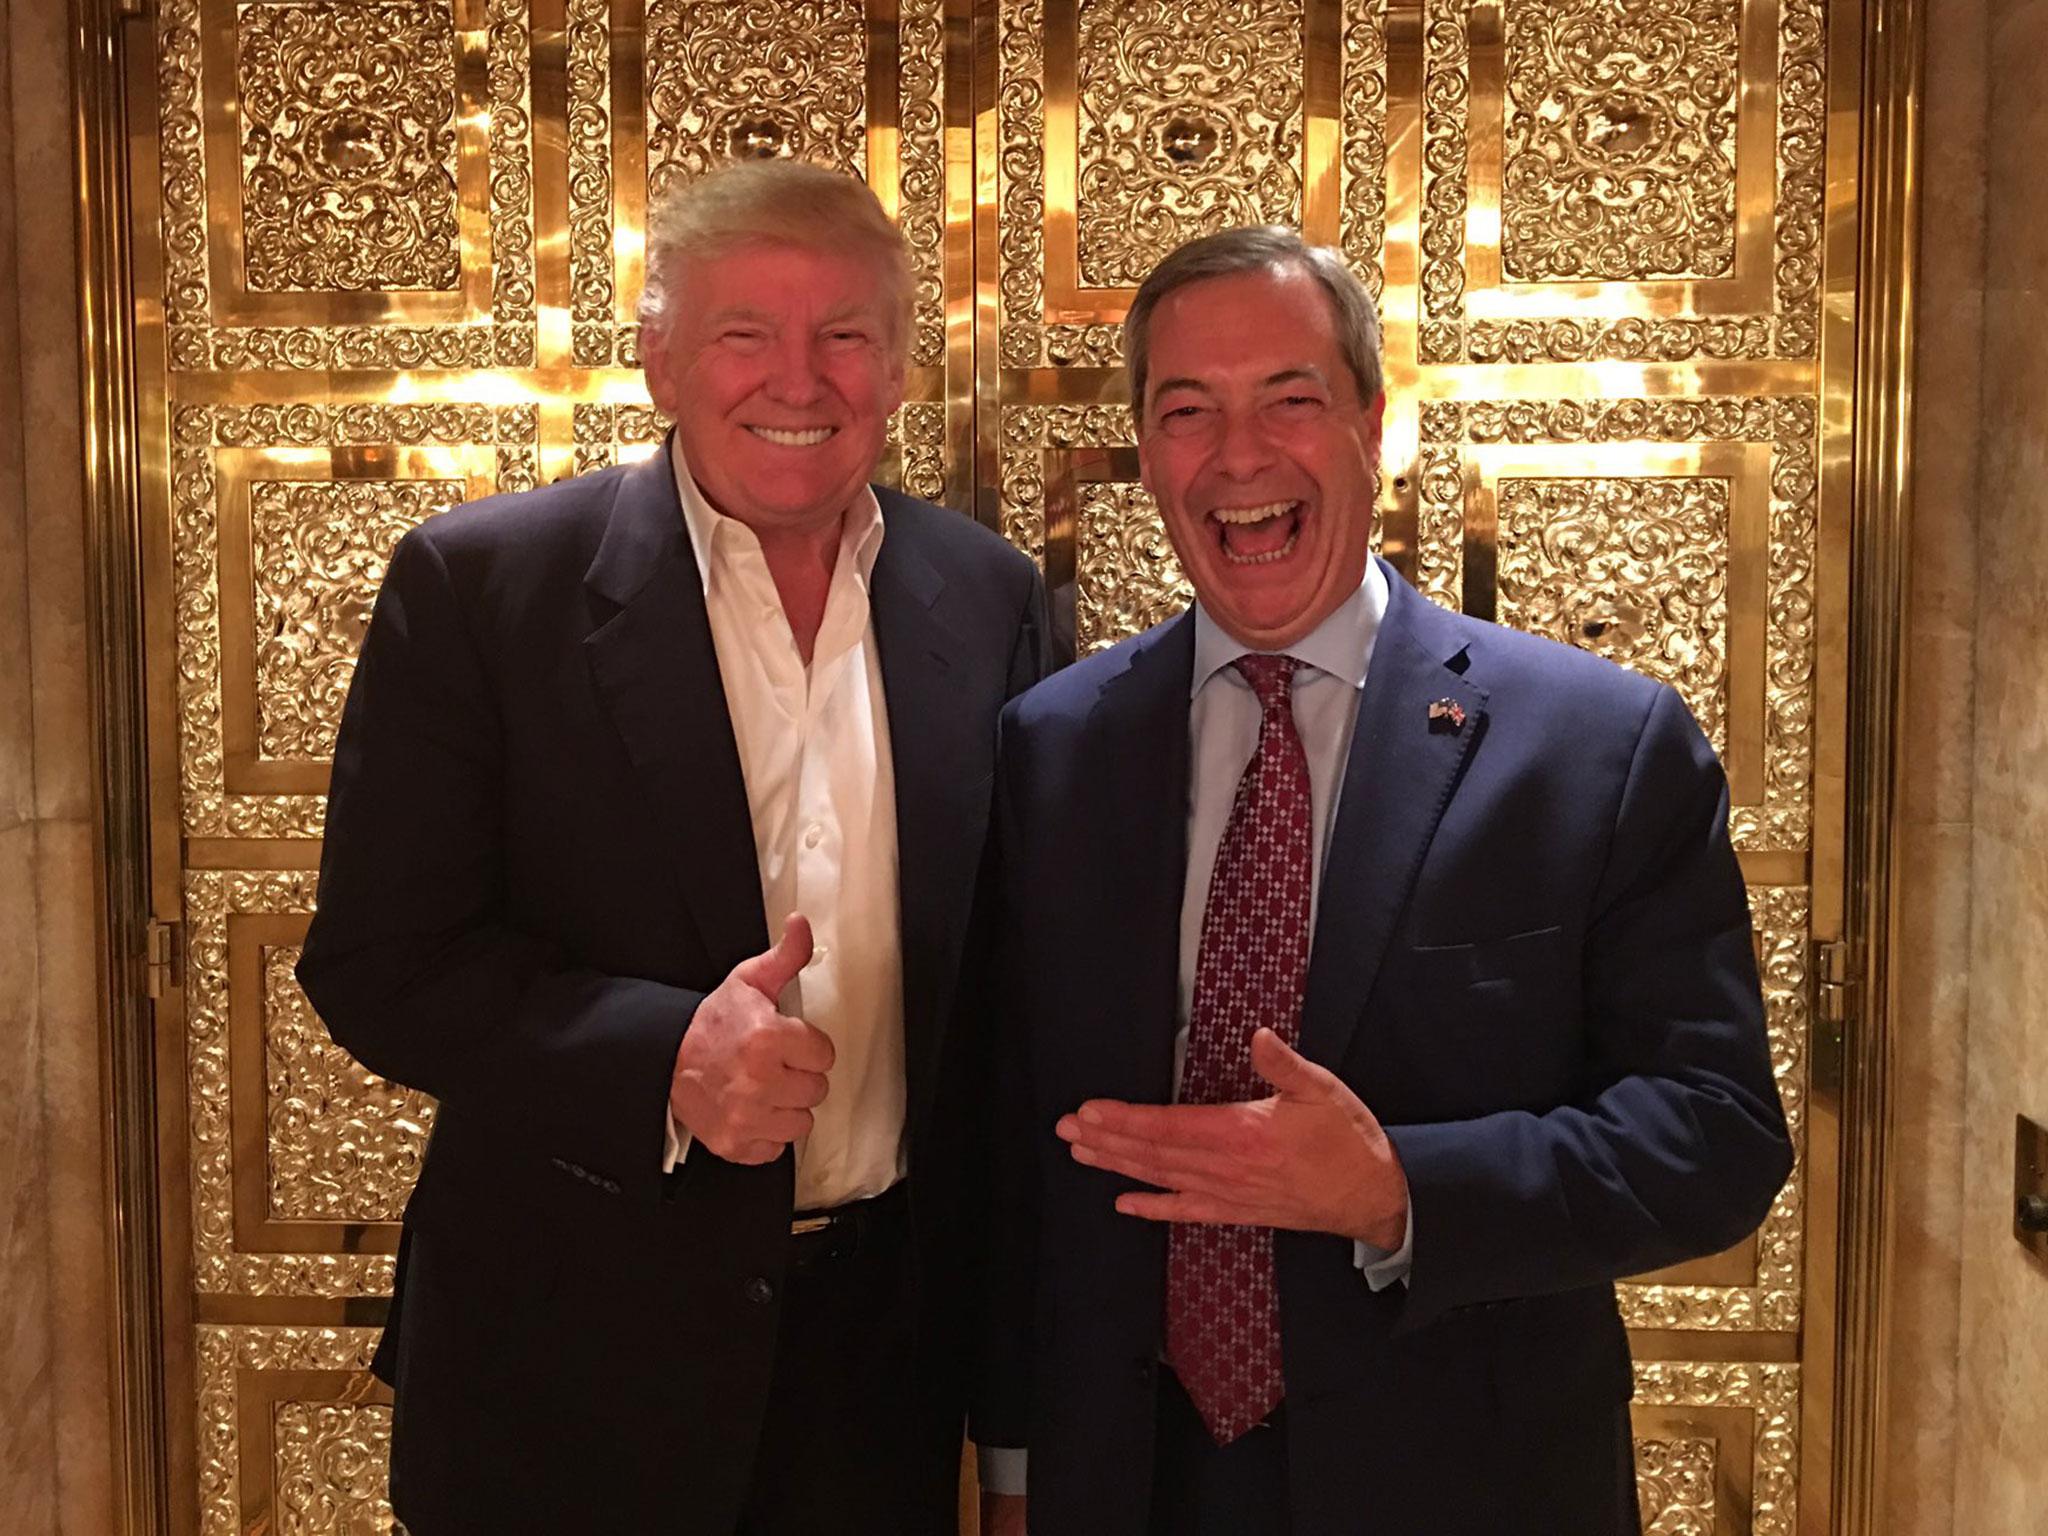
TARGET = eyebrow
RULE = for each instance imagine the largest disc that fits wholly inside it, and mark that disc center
(1284, 376)
(855, 311)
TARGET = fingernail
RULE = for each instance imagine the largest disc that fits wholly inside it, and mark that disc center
(1067, 1128)
(1082, 1154)
(1091, 1115)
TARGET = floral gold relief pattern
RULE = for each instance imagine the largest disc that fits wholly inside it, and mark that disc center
(1633, 569)
(1770, 1395)
(592, 277)
(921, 190)
(347, 123)
(1364, 172)
(331, 1466)
(320, 551)
(327, 1467)
(1190, 121)
(1784, 818)
(506, 437)
(221, 1264)
(344, 1144)
(1129, 578)
(1620, 157)
(348, 146)
(754, 78)
(1675, 1485)
(1619, 165)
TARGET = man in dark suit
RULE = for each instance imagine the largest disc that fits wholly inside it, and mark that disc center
(1380, 990)
(685, 1253)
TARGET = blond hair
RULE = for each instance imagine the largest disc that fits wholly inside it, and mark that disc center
(785, 202)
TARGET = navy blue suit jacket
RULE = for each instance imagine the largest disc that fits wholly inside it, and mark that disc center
(1532, 960)
(539, 858)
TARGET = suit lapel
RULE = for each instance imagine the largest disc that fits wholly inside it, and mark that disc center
(934, 742)
(1141, 755)
(657, 676)
(1401, 773)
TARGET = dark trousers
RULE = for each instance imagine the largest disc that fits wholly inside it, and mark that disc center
(849, 1447)
(1200, 1488)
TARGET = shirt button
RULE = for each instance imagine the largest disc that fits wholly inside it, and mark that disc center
(819, 953)
(814, 835)
(759, 1291)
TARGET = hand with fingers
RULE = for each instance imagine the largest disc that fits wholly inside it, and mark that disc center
(748, 1076)
(1309, 1158)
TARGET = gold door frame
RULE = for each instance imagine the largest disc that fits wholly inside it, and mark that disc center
(1874, 73)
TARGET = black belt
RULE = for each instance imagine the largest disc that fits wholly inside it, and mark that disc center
(845, 1230)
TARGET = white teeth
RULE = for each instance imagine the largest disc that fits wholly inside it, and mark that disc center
(809, 439)
(1268, 557)
(1242, 515)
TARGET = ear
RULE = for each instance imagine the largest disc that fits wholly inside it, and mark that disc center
(657, 364)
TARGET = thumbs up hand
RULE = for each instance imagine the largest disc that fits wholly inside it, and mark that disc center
(748, 1076)
(1310, 1158)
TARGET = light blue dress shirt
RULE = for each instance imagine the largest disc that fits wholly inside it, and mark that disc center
(1223, 733)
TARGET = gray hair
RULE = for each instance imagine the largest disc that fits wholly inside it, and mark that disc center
(786, 202)
(1267, 247)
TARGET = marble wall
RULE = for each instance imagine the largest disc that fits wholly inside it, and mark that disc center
(1931, 995)
(2002, 1398)
(56, 1469)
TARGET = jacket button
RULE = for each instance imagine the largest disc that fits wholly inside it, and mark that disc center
(1143, 1368)
(759, 1291)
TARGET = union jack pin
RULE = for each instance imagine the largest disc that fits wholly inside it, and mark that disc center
(1447, 715)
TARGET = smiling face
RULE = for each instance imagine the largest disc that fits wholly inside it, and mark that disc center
(780, 366)
(1259, 451)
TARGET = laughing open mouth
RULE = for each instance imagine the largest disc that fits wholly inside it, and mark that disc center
(808, 437)
(1258, 535)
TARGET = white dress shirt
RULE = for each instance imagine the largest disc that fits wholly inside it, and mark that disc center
(821, 789)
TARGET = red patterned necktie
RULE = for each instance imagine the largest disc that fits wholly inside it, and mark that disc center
(1222, 1303)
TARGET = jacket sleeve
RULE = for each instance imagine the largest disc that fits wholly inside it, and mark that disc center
(413, 961)
(1678, 1145)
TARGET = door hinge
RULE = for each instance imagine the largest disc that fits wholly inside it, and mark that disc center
(164, 956)
(1834, 984)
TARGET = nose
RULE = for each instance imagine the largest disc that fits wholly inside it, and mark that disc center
(794, 377)
(1242, 451)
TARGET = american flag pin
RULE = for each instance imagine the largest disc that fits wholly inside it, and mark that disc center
(1447, 715)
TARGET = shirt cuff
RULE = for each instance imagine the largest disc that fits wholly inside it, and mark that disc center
(1380, 1268)
(1003, 1469)
(675, 1142)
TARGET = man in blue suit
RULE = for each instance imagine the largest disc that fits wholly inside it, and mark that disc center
(1379, 991)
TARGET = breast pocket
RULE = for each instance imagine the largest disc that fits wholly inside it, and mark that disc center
(1495, 1019)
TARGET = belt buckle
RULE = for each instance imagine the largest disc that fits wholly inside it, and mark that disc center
(803, 1226)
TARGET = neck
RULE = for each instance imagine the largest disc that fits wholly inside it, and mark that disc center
(801, 564)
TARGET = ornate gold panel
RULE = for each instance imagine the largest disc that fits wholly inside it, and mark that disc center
(1126, 129)
(294, 1437)
(400, 242)
(669, 88)
(342, 1144)
(1720, 1441)
(282, 517)
(348, 146)
(1595, 186)
(346, 184)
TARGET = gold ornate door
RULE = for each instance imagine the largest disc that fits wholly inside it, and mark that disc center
(387, 252)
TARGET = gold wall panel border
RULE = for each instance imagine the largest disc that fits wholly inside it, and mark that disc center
(212, 320)
(262, 1392)
(1742, 1407)
(1047, 318)
(229, 914)
(898, 128)
(1768, 307)
(216, 451)
(1788, 427)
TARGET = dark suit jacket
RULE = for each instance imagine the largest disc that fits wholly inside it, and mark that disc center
(539, 858)
(1532, 960)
